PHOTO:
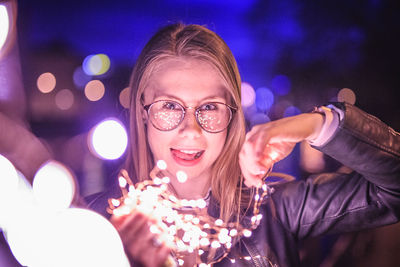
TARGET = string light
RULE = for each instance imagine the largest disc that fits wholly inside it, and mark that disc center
(180, 223)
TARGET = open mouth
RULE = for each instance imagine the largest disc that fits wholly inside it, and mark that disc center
(186, 154)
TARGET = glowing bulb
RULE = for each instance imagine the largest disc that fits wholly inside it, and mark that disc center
(54, 186)
(273, 155)
(115, 202)
(181, 176)
(161, 164)
(122, 181)
(108, 139)
(4, 25)
(233, 232)
(247, 233)
(215, 244)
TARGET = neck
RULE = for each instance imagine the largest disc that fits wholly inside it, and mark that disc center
(193, 188)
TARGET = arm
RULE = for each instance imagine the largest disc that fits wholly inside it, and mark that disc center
(367, 197)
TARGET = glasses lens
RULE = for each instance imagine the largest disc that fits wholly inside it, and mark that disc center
(214, 117)
(166, 115)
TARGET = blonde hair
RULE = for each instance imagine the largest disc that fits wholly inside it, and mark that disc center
(198, 42)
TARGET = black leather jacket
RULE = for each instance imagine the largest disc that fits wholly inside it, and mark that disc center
(329, 202)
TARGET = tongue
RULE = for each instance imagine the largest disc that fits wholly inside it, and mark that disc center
(184, 156)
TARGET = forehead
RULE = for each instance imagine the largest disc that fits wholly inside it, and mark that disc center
(190, 80)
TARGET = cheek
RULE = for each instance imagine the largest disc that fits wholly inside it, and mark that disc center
(157, 140)
(217, 143)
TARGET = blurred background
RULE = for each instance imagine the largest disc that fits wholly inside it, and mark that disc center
(65, 68)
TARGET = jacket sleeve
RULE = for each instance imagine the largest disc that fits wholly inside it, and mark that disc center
(367, 197)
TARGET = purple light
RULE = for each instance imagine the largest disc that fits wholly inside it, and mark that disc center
(264, 99)
(291, 111)
(281, 85)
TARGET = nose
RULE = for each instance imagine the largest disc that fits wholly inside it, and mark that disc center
(189, 126)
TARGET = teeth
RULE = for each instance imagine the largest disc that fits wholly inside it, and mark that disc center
(189, 151)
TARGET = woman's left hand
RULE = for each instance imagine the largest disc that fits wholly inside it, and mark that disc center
(271, 142)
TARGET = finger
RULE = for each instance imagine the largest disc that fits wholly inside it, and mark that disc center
(158, 256)
(134, 225)
(249, 163)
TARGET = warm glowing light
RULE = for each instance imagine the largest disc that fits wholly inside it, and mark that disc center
(4, 25)
(181, 176)
(94, 90)
(8, 188)
(64, 99)
(273, 155)
(161, 164)
(247, 233)
(248, 95)
(108, 139)
(54, 186)
(124, 97)
(181, 231)
(347, 95)
(46, 82)
(68, 238)
(96, 64)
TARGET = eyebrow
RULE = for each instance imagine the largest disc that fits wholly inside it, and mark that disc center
(223, 95)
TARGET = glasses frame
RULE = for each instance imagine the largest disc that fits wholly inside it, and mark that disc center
(196, 109)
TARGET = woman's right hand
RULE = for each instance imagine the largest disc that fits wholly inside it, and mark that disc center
(141, 245)
(268, 143)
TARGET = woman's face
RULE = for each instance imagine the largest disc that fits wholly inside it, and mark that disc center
(188, 147)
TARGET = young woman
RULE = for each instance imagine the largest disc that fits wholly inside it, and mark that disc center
(185, 109)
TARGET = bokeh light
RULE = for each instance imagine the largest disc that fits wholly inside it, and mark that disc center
(46, 82)
(181, 176)
(96, 64)
(346, 95)
(264, 99)
(291, 111)
(108, 139)
(4, 25)
(94, 90)
(248, 95)
(80, 78)
(66, 238)
(259, 118)
(8, 188)
(54, 186)
(79, 237)
(281, 85)
(124, 97)
(64, 99)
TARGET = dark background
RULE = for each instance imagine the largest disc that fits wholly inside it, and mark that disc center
(321, 46)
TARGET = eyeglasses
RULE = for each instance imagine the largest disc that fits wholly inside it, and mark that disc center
(213, 117)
